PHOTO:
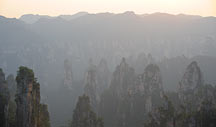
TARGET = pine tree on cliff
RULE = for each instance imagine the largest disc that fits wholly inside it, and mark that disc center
(83, 115)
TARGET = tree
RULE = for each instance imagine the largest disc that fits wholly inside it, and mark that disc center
(83, 115)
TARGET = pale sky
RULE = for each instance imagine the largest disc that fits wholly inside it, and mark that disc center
(16, 8)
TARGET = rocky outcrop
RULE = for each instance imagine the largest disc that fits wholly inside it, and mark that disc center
(162, 116)
(191, 83)
(115, 102)
(153, 88)
(27, 99)
(68, 74)
(197, 99)
(191, 95)
(149, 85)
(152, 79)
(122, 79)
(131, 97)
(11, 86)
(103, 75)
(192, 78)
(83, 115)
(91, 88)
(44, 120)
(96, 81)
(4, 100)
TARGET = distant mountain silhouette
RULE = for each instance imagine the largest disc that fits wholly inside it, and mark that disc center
(43, 43)
(30, 18)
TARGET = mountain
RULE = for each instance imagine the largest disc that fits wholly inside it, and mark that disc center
(71, 17)
(172, 40)
(30, 18)
(84, 116)
(192, 78)
(173, 68)
(130, 97)
(108, 34)
(29, 111)
(96, 81)
(91, 88)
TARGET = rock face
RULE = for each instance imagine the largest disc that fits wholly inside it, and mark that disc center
(68, 74)
(152, 79)
(103, 75)
(83, 115)
(153, 88)
(11, 86)
(192, 78)
(96, 81)
(44, 120)
(4, 100)
(131, 97)
(149, 85)
(27, 99)
(192, 106)
(149, 82)
(122, 79)
(162, 116)
(191, 82)
(197, 100)
(115, 101)
(91, 86)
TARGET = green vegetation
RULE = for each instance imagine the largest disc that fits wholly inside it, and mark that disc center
(28, 96)
(183, 116)
(83, 115)
(24, 74)
(12, 114)
(44, 118)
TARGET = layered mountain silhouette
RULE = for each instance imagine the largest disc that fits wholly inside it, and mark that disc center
(43, 43)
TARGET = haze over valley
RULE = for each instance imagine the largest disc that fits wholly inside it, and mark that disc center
(115, 69)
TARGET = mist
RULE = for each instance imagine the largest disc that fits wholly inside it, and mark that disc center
(117, 70)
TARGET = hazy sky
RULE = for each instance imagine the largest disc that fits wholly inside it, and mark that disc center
(16, 8)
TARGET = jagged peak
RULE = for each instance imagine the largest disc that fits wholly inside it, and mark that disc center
(192, 77)
(123, 62)
(124, 67)
(193, 64)
(25, 73)
(152, 68)
(152, 77)
(194, 68)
